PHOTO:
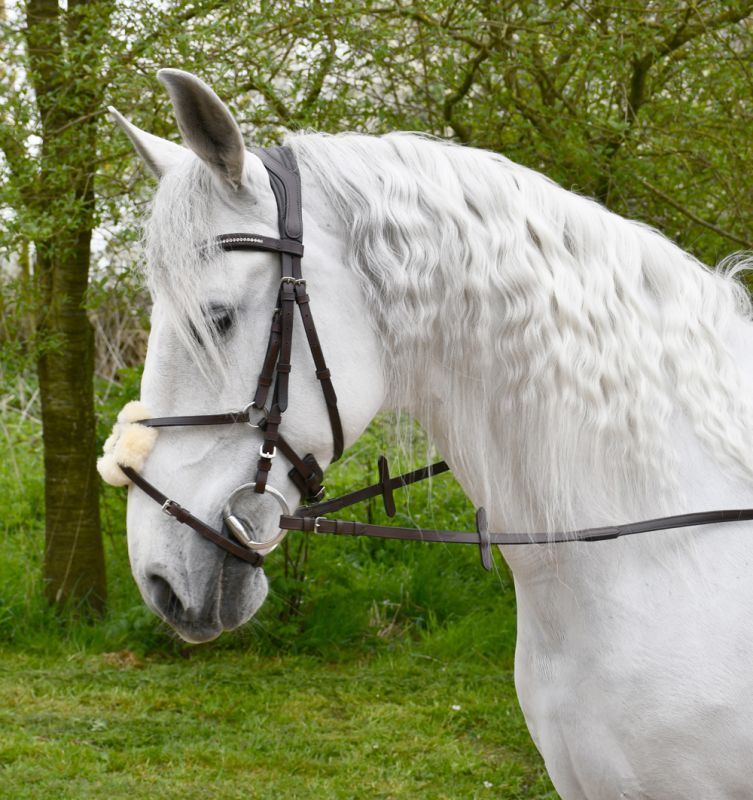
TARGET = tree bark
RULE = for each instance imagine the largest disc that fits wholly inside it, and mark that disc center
(74, 568)
(62, 48)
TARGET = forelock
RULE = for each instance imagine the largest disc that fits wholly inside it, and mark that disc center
(180, 249)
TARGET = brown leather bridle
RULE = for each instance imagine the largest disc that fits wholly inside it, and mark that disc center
(306, 473)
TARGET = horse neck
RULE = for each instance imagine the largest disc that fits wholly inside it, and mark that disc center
(484, 438)
(549, 347)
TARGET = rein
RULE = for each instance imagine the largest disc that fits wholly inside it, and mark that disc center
(306, 473)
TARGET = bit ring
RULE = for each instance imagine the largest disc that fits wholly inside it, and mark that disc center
(227, 511)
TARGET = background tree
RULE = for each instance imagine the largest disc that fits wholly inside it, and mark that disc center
(63, 54)
(58, 61)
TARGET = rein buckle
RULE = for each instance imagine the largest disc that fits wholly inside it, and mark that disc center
(171, 508)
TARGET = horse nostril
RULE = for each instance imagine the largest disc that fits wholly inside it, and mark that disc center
(166, 601)
(192, 610)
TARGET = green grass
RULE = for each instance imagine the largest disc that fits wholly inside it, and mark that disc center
(352, 696)
(238, 725)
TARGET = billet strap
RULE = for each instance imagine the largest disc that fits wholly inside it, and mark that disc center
(268, 449)
(266, 376)
(287, 312)
(184, 516)
(484, 539)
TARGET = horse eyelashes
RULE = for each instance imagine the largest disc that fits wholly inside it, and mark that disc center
(223, 322)
(219, 321)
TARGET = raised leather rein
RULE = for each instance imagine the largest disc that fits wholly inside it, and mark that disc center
(306, 473)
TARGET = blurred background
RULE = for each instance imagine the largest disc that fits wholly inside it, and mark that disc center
(646, 106)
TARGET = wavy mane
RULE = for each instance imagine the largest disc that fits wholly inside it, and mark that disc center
(574, 334)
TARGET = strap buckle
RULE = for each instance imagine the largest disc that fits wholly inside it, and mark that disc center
(267, 455)
(171, 508)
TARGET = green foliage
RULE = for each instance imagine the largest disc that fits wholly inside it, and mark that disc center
(645, 105)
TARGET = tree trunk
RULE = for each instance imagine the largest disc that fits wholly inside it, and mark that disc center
(74, 568)
(63, 47)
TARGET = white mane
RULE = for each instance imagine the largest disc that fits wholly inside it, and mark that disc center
(557, 337)
(564, 334)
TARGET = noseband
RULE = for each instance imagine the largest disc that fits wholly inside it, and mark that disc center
(306, 473)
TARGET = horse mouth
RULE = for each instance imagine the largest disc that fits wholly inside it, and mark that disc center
(231, 599)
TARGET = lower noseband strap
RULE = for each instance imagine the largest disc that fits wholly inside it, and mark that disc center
(182, 515)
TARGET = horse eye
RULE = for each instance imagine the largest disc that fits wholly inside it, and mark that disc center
(222, 322)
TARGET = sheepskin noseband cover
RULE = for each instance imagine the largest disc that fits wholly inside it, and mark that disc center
(129, 444)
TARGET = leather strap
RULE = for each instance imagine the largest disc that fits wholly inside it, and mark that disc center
(268, 449)
(285, 183)
(483, 539)
(287, 312)
(385, 486)
(388, 498)
(266, 376)
(196, 419)
(322, 372)
(305, 473)
(256, 241)
(182, 515)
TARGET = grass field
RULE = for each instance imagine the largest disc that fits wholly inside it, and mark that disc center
(237, 725)
(382, 670)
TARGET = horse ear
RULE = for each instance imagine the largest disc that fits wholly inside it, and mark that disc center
(207, 126)
(160, 155)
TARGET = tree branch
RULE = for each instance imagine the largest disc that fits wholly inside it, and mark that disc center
(448, 108)
(670, 201)
(266, 91)
(425, 19)
(312, 95)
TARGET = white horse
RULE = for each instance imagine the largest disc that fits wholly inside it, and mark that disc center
(574, 368)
